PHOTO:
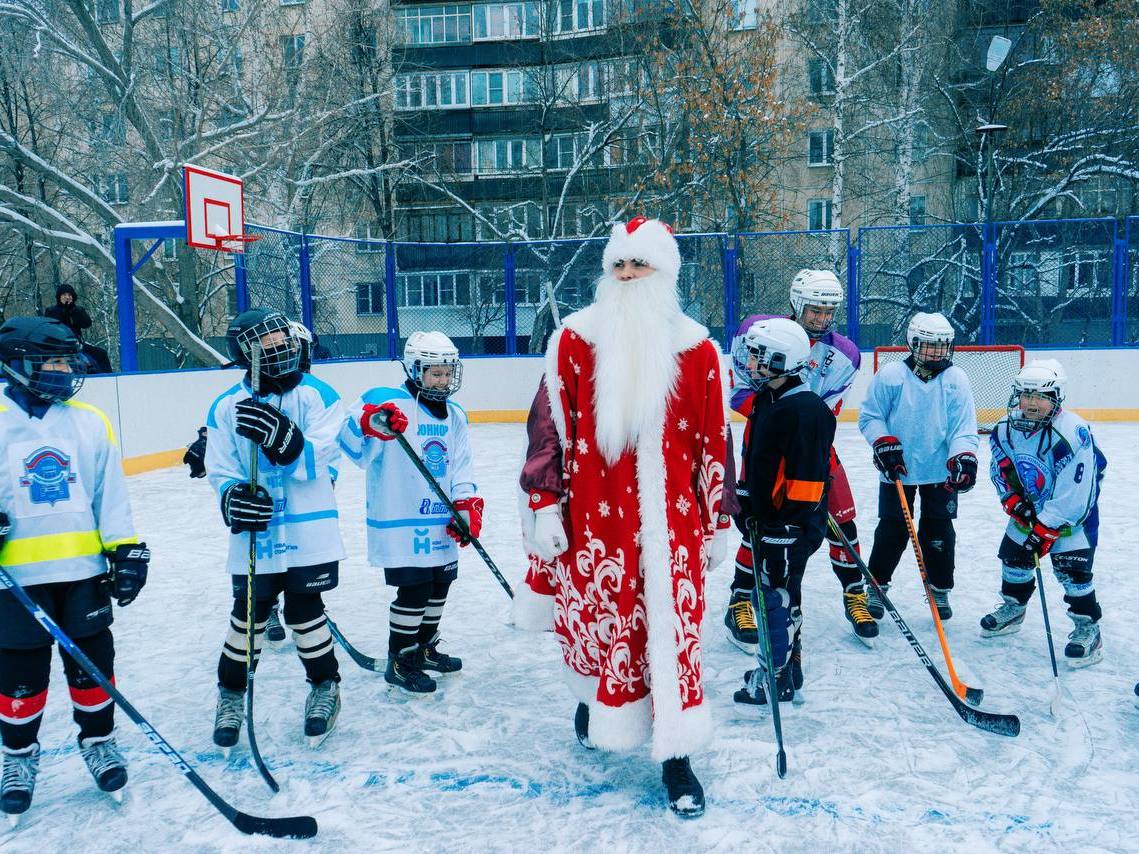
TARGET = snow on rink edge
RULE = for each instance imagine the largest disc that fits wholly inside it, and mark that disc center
(878, 761)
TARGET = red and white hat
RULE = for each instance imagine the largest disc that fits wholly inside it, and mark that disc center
(643, 239)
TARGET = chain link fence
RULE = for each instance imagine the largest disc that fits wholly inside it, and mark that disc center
(1126, 309)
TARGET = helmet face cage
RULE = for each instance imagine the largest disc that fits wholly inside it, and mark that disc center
(50, 384)
(279, 357)
(1017, 418)
(743, 352)
(415, 372)
(941, 347)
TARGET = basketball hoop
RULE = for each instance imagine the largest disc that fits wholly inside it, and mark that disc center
(235, 243)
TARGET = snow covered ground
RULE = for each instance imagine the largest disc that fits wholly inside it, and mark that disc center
(878, 760)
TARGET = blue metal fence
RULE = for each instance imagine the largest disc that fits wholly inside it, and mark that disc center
(1043, 283)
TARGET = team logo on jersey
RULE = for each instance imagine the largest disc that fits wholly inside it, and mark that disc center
(1033, 478)
(435, 457)
(48, 475)
(427, 507)
(1084, 435)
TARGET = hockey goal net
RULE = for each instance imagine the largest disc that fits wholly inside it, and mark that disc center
(990, 369)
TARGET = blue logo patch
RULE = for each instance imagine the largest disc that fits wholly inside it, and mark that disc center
(48, 475)
(1032, 477)
(1084, 435)
(435, 457)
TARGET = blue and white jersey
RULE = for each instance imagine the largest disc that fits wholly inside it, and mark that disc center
(1058, 469)
(407, 522)
(934, 420)
(305, 529)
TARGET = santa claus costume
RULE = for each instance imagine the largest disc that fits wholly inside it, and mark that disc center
(625, 476)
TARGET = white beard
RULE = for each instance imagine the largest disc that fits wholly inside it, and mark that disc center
(636, 358)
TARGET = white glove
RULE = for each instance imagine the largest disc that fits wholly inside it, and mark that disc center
(549, 535)
(718, 547)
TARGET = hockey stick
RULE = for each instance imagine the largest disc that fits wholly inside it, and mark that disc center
(765, 639)
(250, 627)
(365, 661)
(1055, 702)
(293, 827)
(456, 517)
(988, 721)
(972, 696)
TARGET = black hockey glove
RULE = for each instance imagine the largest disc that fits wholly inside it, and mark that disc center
(126, 575)
(245, 510)
(962, 472)
(270, 428)
(888, 457)
(5, 527)
(774, 543)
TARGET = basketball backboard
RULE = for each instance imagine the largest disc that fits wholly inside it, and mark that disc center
(215, 212)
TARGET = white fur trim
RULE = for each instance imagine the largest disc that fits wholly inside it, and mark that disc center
(691, 735)
(612, 727)
(532, 611)
(652, 243)
(553, 381)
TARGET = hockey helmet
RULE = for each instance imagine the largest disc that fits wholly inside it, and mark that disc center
(933, 334)
(432, 349)
(43, 356)
(304, 341)
(271, 334)
(820, 288)
(1044, 377)
(778, 344)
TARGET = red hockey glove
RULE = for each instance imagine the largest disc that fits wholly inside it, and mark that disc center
(471, 511)
(383, 421)
(888, 457)
(1020, 510)
(1040, 539)
(962, 472)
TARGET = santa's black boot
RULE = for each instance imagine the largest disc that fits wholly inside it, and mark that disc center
(685, 794)
(581, 726)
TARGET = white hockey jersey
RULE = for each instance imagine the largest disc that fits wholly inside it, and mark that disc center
(305, 529)
(407, 522)
(63, 488)
(934, 420)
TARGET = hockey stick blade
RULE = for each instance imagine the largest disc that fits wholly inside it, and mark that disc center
(781, 763)
(291, 827)
(365, 661)
(989, 721)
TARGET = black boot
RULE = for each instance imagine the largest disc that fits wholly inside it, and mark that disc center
(581, 726)
(435, 661)
(405, 671)
(685, 794)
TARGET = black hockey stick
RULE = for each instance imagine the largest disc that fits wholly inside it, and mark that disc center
(1055, 702)
(765, 639)
(989, 721)
(456, 517)
(251, 575)
(292, 827)
(365, 661)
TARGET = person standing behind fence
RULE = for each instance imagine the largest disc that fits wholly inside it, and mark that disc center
(72, 315)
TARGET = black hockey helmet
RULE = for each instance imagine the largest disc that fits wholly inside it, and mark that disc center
(270, 331)
(27, 344)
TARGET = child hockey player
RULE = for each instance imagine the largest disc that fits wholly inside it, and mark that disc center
(920, 419)
(831, 369)
(1047, 471)
(67, 538)
(292, 419)
(786, 461)
(410, 531)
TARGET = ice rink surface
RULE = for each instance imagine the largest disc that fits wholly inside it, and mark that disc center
(878, 760)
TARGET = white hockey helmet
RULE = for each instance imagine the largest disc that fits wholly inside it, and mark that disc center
(779, 344)
(1044, 377)
(931, 329)
(428, 349)
(819, 288)
(304, 341)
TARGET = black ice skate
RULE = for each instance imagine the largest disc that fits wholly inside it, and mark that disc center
(405, 671)
(855, 602)
(322, 708)
(19, 781)
(227, 719)
(435, 661)
(105, 762)
(1137, 694)
(1005, 619)
(581, 726)
(274, 631)
(874, 601)
(754, 690)
(685, 794)
(941, 601)
(1085, 646)
(796, 664)
(740, 620)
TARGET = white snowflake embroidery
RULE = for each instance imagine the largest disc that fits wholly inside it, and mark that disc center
(603, 509)
(682, 424)
(637, 539)
(582, 446)
(621, 512)
(575, 467)
(576, 367)
(683, 505)
(711, 375)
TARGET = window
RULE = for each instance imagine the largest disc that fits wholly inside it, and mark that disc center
(292, 51)
(167, 62)
(113, 188)
(922, 147)
(106, 11)
(367, 231)
(170, 249)
(917, 210)
(421, 290)
(818, 214)
(574, 15)
(433, 25)
(577, 219)
(517, 220)
(229, 5)
(431, 91)
(489, 88)
(446, 158)
(507, 155)
(370, 297)
(820, 148)
(438, 226)
(506, 20)
(747, 15)
(111, 130)
(820, 76)
(822, 11)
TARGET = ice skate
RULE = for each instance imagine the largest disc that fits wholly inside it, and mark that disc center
(754, 690)
(405, 672)
(274, 631)
(581, 726)
(18, 783)
(685, 794)
(855, 604)
(740, 621)
(106, 764)
(1085, 646)
(435, 661)
(941, 601)
(322, 708)
(227, 719)
(1006, 619)
(874, 602)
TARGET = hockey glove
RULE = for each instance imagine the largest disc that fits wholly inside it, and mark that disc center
(246, 510)
(888, 457)
(774, 542)
(471, 511)
(126, 575)
(962, 472)
(383, 421)
(281, 439)
(1040, 539)
(1023, 513)
(550, 538)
